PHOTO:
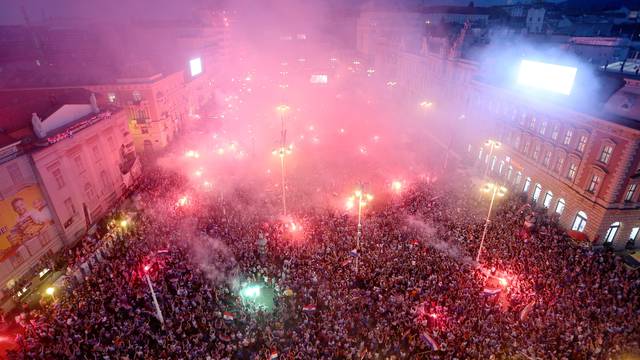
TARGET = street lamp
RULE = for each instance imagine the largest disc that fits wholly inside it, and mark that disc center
(51, 291)
(146, 269)
(282, 152)
(363, 199)
(492, 144)
(426, 104)
(494, 189)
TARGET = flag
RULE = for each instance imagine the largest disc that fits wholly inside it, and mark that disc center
(309, 308)
(346, 262)
(353, 253)
(274, 355)
(490, 292)
(228, 316)
(224, 338)
(430, 341)
(527, 309)
(415, 242)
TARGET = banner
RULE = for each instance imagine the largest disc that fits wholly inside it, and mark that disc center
(23, 216)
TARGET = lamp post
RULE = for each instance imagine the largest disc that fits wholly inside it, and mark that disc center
(496, 190)
(363, 199)
(153, 295)
(492, 144)
(282, 152)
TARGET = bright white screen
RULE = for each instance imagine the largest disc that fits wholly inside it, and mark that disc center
(550, 77)
(196, 66)
(319, 79)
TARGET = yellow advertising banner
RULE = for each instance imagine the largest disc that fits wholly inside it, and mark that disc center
(23, 216)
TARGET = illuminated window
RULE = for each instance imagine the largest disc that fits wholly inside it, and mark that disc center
(605, 155)
(560, 206)
(532, 123)
(510, 172)
(543, 127)
(567, 137)
(536, 152)
(634, 234)
(546, 202)
(527, 184)
(580, 221)
(612, 232)
(582, 143)
(518, 178)
(555, 132)
(630, 191)
(111, 97)
(559, 163)
(547, 159)
(536, 192)
(571, 173)
(594, 183)
(526, 147)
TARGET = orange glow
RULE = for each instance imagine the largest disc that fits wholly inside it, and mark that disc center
(503, 281)
(396, 186)
(184, 200)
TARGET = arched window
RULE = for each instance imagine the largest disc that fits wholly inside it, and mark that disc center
(580, 221)
(612, 232)
(509, 172)
(527, 183)
(501, 167)
(547, 199)
(634, 235)
(518, 178)
(560, 206)
(493, 162)
(536, 192)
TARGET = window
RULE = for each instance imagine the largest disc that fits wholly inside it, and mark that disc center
(630, 191)
(15, 174)
(536, 152)
(559, 163)
(136, 96)
(501, 168)
(547, 159)
(555, 132)
(546, 202)
(594, 183)
(112, 144)
(536, 192)
(493, 162)
(517, 143)
(510, 172)
(634, 234)
(526, 147)
(89, 191)
(111, 97)
(79, 163)
(96, 152)
(605, 154)
(567, 137)
(57, 174)
(560, 206)
(71, 209)
(571, 173)
(543, 127)
(480, 154)
(532, 123)
(580, 221)
(611, 232)
(582, 143)
(144, 130)
(106, 182)
(527, 183)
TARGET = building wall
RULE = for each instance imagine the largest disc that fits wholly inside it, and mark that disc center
(24, 239)
(82, 174)
(527, 130)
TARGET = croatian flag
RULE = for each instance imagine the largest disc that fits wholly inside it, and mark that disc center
(353, 253)
(490, 292)
(274, 355)
(309, 308)
(430, 341)
(228, 316)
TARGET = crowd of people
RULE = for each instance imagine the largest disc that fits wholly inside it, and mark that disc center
(417, 292)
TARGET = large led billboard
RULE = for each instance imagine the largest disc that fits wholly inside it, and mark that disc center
(548, 77)
(195, 65)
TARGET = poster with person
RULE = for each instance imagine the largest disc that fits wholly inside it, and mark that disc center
(23, 216)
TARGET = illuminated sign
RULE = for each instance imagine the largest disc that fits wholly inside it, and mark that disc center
(319, 79)
(195, 65)
(548, 77)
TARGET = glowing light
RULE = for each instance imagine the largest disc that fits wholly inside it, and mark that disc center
(433, 315)
(207, 184)
(282, 108)
(124, 223)
(341, 131)
(549, 77)
(315, 140)
(293, 227)
(363, 149)
(392, 83)
(376, 138)
(195, 65)
(250, 292)
(146, 268)
(184, 200)
(192, 154)
(220, 151)
(396, 186)
(356, 62)
(311, 128)
(350, 203)
(503, 281)
(426, 104)
(50, 290)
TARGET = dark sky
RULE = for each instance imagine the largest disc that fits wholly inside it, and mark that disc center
(107, 9)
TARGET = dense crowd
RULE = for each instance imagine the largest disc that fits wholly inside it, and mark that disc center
(417, 293)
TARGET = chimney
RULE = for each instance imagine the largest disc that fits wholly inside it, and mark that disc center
(38, 127)
(94, 103)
